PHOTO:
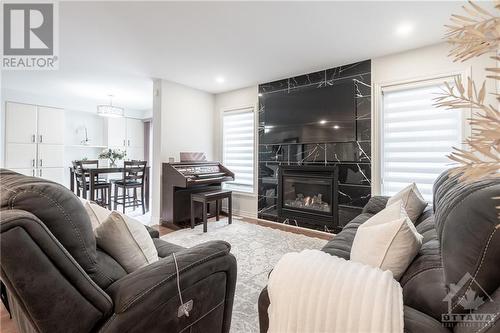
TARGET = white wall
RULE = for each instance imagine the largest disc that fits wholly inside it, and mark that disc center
(183, 121)
(426, 62)
(187, 120)
(244, 204)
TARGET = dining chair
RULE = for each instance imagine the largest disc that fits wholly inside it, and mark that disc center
(133, 178)
(102, 187)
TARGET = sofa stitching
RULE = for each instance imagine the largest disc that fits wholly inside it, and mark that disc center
(59, 206)
(494, 318)
(477, 270)
(390, 244)
(144, 293)
(77, 266)
(421, 272)
(442, 230)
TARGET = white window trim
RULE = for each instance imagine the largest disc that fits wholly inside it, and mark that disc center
(377, 116)
(241, 108)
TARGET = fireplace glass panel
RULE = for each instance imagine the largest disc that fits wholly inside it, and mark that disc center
(307, 193)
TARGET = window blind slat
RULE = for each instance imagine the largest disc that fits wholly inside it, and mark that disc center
(417, 137)
(238, 148)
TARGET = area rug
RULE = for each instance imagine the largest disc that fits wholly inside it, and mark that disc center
(257, 249)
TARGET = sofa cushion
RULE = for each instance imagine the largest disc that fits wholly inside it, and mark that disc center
(97, 214)
(341, 243)
(413, 202)
(109, 269)
(468, 230)
(59, 209)
(375, 204)
(388, 240)
(127, 241)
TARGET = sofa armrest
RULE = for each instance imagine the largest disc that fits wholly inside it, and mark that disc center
(147, 300)
(375, 204)
(38, 271)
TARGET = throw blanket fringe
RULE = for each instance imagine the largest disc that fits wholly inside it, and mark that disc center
(314, 292)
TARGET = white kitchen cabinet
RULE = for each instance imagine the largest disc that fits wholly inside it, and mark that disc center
(35, 140)
(135, 153)
(20, 155)
(50, 156)
(117, 132)
(53, 174)
(50, 125)
(20, 123)
(135, 133)
(127, 134)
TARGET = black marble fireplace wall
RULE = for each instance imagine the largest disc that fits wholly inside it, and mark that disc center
(351, 157)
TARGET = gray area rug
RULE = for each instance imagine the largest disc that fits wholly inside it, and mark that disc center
(257, 250)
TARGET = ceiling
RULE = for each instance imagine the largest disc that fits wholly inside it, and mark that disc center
(117, 47)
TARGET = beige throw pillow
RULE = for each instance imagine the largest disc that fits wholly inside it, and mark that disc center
(413, 202)
(127, 241)
(96, 213)
(388, 240)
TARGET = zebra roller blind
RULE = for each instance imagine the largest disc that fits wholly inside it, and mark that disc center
(238, 148)
(416, 137)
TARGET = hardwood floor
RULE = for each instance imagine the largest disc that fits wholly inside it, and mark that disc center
(7, 325)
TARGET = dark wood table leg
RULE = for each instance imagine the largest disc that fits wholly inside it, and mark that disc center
(205, 217)
(230, 208)
(192, 214)
(109, 197)
(71, 180)
(92, 185)
(146, 185)
(217, 207)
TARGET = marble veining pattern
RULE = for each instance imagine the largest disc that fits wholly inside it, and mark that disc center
(352, 158)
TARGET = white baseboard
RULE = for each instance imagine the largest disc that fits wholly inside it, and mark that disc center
(243, 213)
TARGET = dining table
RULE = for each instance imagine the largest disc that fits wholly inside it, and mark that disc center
(94, 174)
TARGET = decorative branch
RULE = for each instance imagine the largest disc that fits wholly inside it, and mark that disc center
(471, 36)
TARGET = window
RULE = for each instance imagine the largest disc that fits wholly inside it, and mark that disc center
(238, 148)
(416, 137)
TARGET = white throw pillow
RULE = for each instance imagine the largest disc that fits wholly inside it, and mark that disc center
(127, 241)
(413, 202)
(388, 240)
(96, 213)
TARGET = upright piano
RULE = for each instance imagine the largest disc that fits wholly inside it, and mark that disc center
(180, 180)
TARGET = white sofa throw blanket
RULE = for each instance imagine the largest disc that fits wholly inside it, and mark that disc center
(314, 292)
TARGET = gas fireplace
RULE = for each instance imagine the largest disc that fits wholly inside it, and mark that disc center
(307, 195)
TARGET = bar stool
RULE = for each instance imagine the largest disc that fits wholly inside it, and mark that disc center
(102, 186)
(134, 173)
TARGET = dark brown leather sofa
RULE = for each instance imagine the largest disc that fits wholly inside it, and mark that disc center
(58, 280)
(461, 246)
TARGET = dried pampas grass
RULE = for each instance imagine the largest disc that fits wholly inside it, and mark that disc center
(472, 36)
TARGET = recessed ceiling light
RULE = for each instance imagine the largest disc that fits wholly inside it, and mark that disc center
(220, 79)
(260, 95)
(322, 122)
(336, 127)
(404, 29)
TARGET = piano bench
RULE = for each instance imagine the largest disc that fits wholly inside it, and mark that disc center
(209, 197)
